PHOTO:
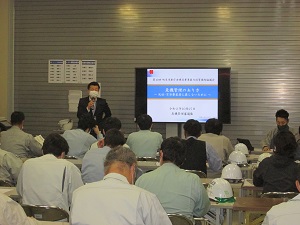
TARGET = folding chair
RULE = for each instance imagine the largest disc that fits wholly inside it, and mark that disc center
(198, 172)
(70, 157)
(285, 195)
(46, 213)
(4, 183)
(178, 219)
(151, 159)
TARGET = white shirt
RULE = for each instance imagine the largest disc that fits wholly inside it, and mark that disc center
(93, 164)
(48, 180)
(286, 213)
(78, 141)
(113, 201)
(11, 213)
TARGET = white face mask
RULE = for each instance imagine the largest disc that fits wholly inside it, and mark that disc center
(93, 94)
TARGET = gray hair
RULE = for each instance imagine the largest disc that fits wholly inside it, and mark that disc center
(119, 154)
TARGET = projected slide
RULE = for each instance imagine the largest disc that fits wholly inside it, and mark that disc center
(182, 94)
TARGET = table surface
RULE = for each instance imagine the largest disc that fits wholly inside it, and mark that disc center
(255, 204)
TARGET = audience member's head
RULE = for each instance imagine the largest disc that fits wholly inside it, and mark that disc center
(144, 121)
(213, 126)
(110, 123)
(192, 128)
(285, 144)
(121, 160)
(114, 138)
(173, 150)
(86, 122)
(17, 118)
(55, 144)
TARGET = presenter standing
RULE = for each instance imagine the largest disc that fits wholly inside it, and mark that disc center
(92, 104)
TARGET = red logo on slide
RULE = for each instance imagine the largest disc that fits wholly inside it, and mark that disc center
(151, 71)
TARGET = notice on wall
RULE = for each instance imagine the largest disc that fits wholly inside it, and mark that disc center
(72, 71)
(56, 71)
(88, 70)
(73, 99)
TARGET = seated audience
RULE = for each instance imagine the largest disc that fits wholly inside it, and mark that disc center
(198, 152)
(11, 213)
(16, 141)
(80, 139)
(286, 212)
(93, 161)
(10, 166)
(49, 180)
(282, 120)
(144, 143)
(278, 172)
(108, 123)
(222, 144)
(177, 190)
(114, 200)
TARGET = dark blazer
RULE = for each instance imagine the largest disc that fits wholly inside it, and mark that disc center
(102, 109)
(195, 158)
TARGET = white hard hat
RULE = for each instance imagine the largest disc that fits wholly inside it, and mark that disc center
(261, 157)
(241, 147)
(232, 173)
(66, 124)
(220, 190)
(238, 158)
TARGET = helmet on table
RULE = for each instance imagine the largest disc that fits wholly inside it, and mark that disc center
(241, 147)
(262, 156)
(238, 158)
(232, 173)
(220, 190)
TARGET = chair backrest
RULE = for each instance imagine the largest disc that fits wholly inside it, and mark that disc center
(286, 195)
(46, 213)
(178, 219)
(4, 183)
(70, 157)
(198, 172)
(201, 221)
(147, 159)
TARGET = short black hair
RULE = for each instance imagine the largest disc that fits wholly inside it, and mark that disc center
(285, 144)
(192, 127)
(86, 121)
(214, 126)
(94, 83)
(114, 137)
(282, 114)
(17, 117)
(144, 121)
(174, 150)
(110, 123)
(55, 144)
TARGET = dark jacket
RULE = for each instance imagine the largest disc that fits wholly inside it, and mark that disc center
(276, 173)
(195, 155)
(102, 109)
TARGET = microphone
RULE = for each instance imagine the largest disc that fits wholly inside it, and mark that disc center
(93, 99)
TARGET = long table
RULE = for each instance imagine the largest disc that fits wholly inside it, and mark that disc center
(254, 205)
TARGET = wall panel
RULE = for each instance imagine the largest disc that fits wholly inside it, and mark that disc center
(259, 40)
